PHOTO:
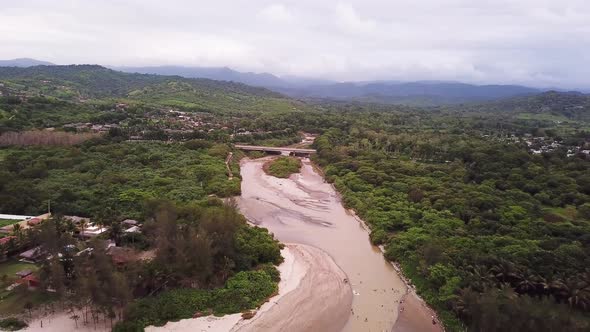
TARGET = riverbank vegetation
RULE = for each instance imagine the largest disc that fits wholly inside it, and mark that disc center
(477, 225)
(283, 167)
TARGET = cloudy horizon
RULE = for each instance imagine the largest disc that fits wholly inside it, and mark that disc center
(538, 43)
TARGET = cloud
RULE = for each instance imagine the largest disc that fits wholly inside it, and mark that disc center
(532, 42)
(276, 13)
(348, 18)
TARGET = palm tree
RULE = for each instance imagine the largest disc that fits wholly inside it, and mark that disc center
(83, 225)
(116, 232)
(480, 277)
(505, 271)
(529, 283)
(29, 307)
(575, 292)
(69, 226)
(17, 230)
(75, 318)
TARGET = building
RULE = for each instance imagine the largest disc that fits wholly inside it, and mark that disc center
(5, 240)
(133, 229)
(130, 222)
(6, 229)
(92, 231)
(77, 220)
(23, 273)
(32, 255)
(31, 281)
(34, 221)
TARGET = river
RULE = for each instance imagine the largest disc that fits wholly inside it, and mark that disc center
(304, 209)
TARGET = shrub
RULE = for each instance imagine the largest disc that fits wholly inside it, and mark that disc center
(283, 167)
(12, 324)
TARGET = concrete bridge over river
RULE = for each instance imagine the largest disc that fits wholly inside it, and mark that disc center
(277, 150)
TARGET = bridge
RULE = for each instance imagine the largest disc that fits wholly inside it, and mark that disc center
(277, 150)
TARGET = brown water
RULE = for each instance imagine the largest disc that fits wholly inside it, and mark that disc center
(305, 209)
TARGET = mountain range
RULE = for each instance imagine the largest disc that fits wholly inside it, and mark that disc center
(421, 93)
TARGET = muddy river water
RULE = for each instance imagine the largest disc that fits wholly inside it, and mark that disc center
(305, 209)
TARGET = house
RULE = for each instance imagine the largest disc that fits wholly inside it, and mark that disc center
(34, 222)
(32, 255)
(5, 240)
(77, 220)
(31, 281)
(23, 273)
(133, 229)
(6, 229)
(130, 222)
(92, 231)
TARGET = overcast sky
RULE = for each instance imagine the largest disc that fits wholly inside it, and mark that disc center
(533, 42)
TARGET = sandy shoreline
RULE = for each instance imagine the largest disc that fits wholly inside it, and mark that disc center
(313, 296)
(62, 322)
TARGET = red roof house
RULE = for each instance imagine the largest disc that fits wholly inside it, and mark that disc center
(34, 221)
(31, 281)
(4, 241)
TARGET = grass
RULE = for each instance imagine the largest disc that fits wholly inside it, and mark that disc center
(13, 302)
(6, 222)
(283, 167)
(13, 266)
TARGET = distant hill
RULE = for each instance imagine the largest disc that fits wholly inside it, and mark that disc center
(423, 93)
(214, 73)
(24, 62)
(266, 80)
(418, 93)
(93, 81)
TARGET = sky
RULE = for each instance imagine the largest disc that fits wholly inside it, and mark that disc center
(542, 43)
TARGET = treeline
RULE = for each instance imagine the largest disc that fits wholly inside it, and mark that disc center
(489, 233)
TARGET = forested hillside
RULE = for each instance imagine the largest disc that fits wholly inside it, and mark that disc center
(81, 82)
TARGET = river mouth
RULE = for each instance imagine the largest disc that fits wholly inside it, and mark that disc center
(305, 209)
